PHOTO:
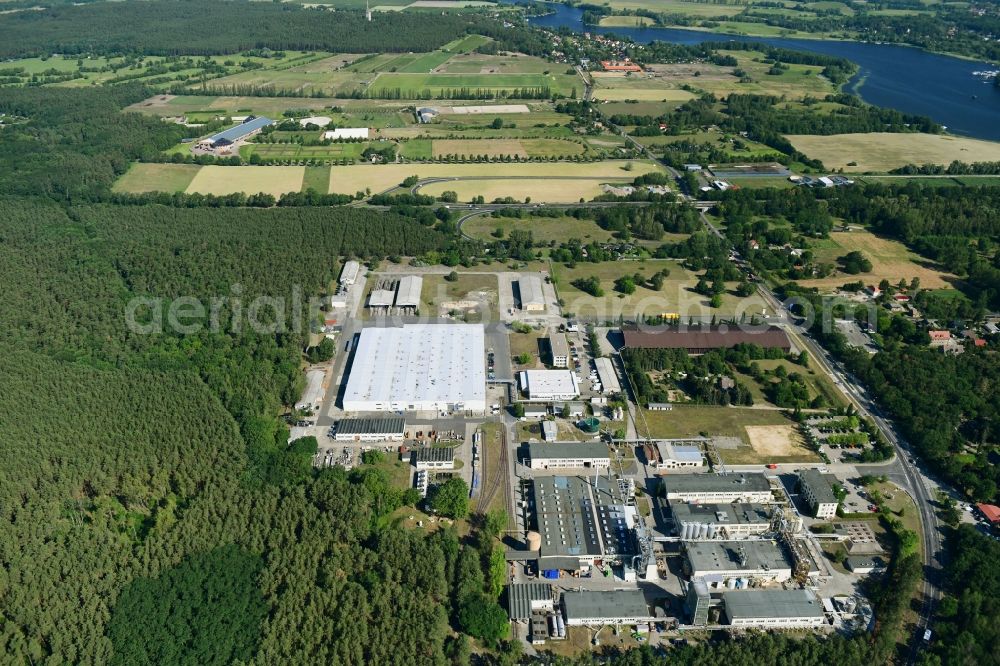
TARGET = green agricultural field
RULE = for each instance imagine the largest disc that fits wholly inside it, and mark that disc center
(221, 180)
(542, 229)
(700, 9)
(316, 179)
(144, 177)
(478, 63)
(413, 85)
(416, 149)
(677, 295)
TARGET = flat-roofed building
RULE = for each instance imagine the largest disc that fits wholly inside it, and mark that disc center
(523, 599)
(748, 487)
(701, 522)
(376, 429)
(342, 133)
(579, 520)
(817, 488)
(559, 349)
(773, 608)
(535, 411)
(550, 431)
(719, 561)
(600, 607)
(549, 384)
(532, 296)
(607, 375)
(408, 292)
(678, 456)
(434, 457)
(702, 339)
(425, 367)
(349, 273)
(864, 564)
(312, 397)
(564, 455)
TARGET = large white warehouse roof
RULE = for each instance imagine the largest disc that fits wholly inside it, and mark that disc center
(438, 367)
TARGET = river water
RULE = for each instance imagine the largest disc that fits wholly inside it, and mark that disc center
(898, 77)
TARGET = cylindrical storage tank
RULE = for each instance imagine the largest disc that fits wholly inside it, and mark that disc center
(534, 541)
(553, 626)
(703, 532)
(561, 625)
(731, 583)
(713, 531)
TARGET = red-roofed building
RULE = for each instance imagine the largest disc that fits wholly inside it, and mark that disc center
(613, 66)
(990, 512)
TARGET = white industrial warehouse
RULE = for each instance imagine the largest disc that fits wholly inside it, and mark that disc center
(425, 367)
(549, 384)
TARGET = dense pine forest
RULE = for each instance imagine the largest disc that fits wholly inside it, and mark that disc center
(200, 27)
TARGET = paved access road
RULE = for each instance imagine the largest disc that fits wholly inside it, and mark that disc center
(902, 470)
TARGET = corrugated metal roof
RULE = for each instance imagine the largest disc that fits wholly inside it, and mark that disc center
(241, 130)
(435, 454)
(408, 292)
(519, 598)
(373, 426)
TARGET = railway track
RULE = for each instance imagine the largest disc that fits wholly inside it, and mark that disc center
(493, 483)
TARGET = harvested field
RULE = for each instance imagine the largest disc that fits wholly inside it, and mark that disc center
(489, 108)
(221, 180)
(882, 151)
(891, 260)
(776, 440)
